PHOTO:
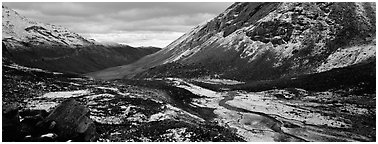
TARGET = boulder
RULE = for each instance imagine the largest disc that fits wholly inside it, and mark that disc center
(31, 112)
(11, 122)
(30, 120)
(70, 121)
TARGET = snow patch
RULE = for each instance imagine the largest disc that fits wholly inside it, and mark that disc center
(108, 119)
(41, 105)
(77, 79)
(193, 88)
(108, 88)
(219, 81)
(92, 97)
(18, 67)
(167, 114)
(66, 94)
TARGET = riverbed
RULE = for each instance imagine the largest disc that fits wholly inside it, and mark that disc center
(273, 115)
(276, 115)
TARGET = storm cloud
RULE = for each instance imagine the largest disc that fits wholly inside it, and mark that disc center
(121, 21)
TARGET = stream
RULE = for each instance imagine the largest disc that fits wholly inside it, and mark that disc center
(276, 126)
(262, 117)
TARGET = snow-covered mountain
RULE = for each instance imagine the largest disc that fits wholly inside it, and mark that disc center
(19, 28)
(258, 41)
(35, 44)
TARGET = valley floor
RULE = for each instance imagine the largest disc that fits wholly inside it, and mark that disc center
(173, 109)
(290, 114)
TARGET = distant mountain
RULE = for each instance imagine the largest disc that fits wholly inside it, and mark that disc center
(35, 44)
(262, 41)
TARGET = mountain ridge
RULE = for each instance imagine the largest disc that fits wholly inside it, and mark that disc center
(35, 44)
(20, 28)
(257, 41)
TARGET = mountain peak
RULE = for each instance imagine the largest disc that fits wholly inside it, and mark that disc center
(19, 28)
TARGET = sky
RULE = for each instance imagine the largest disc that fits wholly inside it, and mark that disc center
(131, 23)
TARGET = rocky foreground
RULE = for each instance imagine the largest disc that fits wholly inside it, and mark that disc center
(40, 105)
(119, 111)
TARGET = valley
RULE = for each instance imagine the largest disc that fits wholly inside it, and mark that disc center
(174, 109)
(257, 72)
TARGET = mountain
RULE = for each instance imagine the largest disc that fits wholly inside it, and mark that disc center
(264, 41)
(35, 44)
(295, 72)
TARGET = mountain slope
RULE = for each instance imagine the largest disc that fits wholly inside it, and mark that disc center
(35, 44)
(19, 28)
(261, 41)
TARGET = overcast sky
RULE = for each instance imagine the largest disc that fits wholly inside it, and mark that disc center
(132, 23)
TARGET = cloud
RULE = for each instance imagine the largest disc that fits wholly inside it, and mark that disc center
(103, 18)
(140, 38)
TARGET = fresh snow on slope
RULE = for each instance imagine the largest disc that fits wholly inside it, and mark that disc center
(19, 28)
(348, 56)
(66, 94)
(23, 68)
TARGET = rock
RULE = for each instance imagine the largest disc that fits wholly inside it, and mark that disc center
(70, 121)
(29, 112)
(30, 119)
(28, 125)
(11, 122)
